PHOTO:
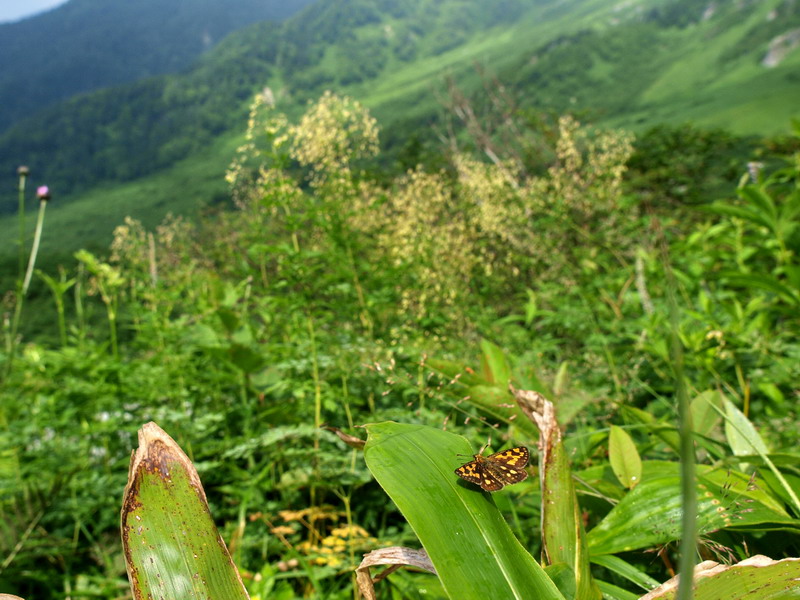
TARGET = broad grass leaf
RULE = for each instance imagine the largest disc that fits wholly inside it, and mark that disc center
(563, 535)
(624, 457)
(625, 569)
(472, 547)
(650, 514)
(706, 409)
(172, 547)
(741, 434)
(494, 364)
(756, 578)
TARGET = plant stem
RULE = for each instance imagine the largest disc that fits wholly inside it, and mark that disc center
(11, 343)
(79, 304)
(688, 484)
(111, 309)
(366, 320)
(23, 176)
(62, 323)
(37, 237)
(317, 401)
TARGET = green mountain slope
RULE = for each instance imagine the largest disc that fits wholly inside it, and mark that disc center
(86, 45)
(633, 64)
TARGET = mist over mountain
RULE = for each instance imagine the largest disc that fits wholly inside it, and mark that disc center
(86, 45)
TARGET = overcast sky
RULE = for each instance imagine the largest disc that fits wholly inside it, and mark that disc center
(13, 10)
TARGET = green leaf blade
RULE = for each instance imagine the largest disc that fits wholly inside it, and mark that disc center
(624, 457)
(472, 547)
(172, 547)
(742, 436)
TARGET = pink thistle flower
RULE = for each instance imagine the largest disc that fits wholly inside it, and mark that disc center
(43, 192)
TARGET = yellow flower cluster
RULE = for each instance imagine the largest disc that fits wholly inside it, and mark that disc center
(492, 221)
(332, 133)
(330, 545)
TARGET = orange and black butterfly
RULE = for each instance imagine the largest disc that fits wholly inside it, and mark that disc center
(497, 470)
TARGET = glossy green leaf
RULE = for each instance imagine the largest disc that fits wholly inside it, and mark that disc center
(705, 409)
(472, 547)
(624, 457)
(650, 514)
(494, 363)
(741, 434)
(172, 547)
(757, 578)
(625, 569)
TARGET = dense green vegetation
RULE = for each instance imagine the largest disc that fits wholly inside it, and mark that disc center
(634, 66)
(86, 45)
(337, 293)
(597, 202)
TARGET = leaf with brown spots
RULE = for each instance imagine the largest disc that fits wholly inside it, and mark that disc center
(172, 547)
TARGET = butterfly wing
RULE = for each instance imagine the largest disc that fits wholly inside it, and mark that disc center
(472, 472)
(508, 466)
(496, 470)
(513, 457)
(480, 472)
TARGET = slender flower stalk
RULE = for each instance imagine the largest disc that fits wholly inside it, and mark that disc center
(22, 171)
(43, 193)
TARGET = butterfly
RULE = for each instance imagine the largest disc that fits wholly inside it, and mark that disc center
(497, 470)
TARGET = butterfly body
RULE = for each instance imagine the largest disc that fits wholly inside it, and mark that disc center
(497, 470)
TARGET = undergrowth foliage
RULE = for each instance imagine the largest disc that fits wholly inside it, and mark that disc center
(315, 302)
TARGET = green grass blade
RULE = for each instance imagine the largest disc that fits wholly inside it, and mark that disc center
(613, 592)
(472, 547)
(172, 547)
(563, 536)
(625, 569)
(494, 364)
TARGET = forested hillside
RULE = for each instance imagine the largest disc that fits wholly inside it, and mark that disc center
(86, 45)
(635, 65)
